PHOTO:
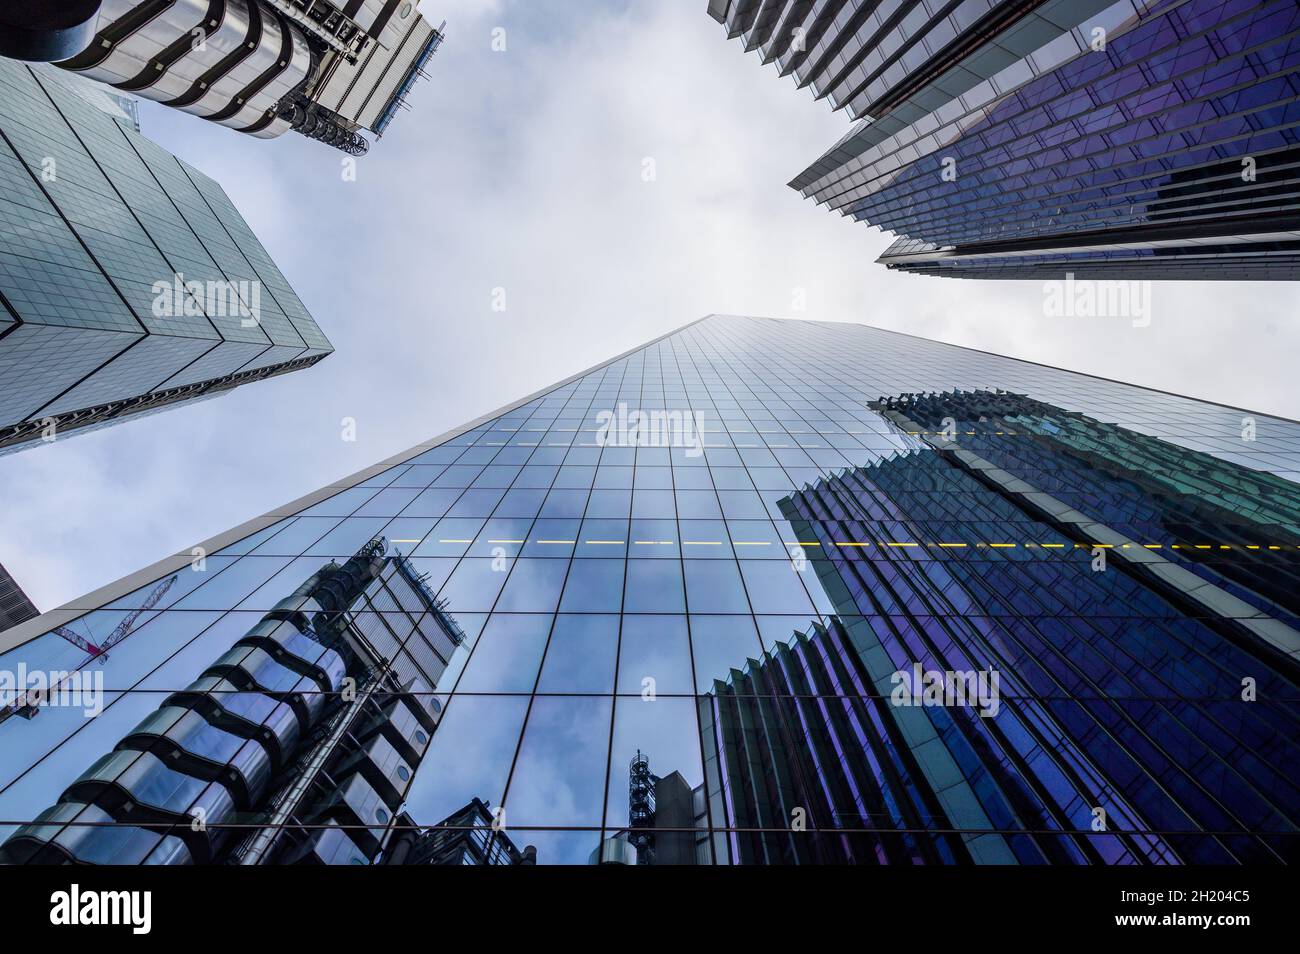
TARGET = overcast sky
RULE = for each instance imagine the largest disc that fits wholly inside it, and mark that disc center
(523, 170)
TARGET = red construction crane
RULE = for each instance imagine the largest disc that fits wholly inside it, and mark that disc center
(28, 707)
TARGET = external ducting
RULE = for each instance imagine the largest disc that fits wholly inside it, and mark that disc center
(41, 31)
(317, 122)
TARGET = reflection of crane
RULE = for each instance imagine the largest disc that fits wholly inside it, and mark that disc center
(119, 632)
(27, 707)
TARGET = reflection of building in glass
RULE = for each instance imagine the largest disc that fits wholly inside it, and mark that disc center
(1027, 140)
(129, 283)
(296, 745)
(1092, 543)
(667, 822)
(1131, 594)
(467, 837)
(797, 746)
(324, 68)
(14, 604)
(1172, 496)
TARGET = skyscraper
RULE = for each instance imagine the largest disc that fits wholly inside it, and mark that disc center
(328, 69)
(1121, 140)
(128, 281)
(757, 592)
(15, 607)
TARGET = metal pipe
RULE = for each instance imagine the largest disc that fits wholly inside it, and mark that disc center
(289, 799)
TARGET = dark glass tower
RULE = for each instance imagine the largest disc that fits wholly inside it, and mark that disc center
(758, 592)
(1031, 139)
(129, 283)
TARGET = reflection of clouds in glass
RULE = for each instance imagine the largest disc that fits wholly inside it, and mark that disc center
(387, 502)
(471, 624)
(655, 647)
(533, 587)
(282, 584)
(476, 502)
(473, 587)
(341, 504)
(507, 655)
(581, 655)
(774, 587)
(469, 756)
(713, 586)
(348, 537)
(297, 536)
(436, 570)
(594, 586)
(654, 586)
(228, 587)
(192, 640)
(720, 644)
(560, 774)
(188, 579)
(666, 731)
(432, 503)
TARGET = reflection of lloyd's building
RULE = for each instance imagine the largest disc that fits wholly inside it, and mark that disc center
(297, 744)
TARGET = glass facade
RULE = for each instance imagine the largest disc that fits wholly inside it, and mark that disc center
(768, 592)
(1128, 140)
(128, 280)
